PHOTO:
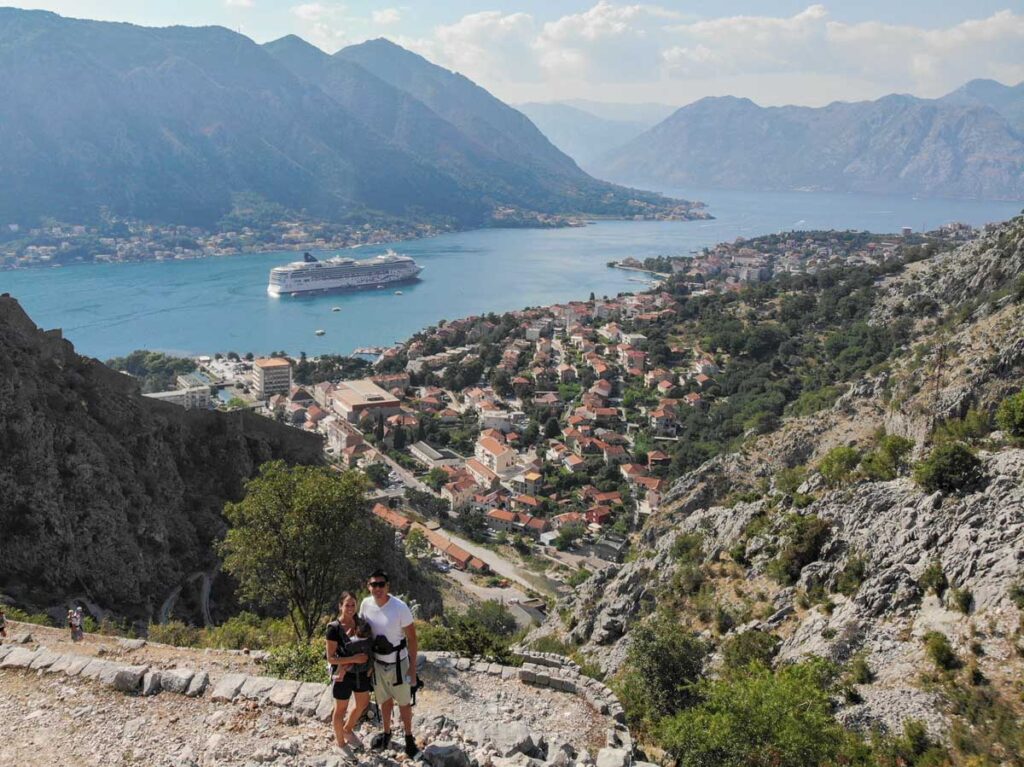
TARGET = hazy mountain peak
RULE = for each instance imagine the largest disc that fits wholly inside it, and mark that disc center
(960, 146)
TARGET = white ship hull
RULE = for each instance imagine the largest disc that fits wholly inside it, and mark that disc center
(341, 274)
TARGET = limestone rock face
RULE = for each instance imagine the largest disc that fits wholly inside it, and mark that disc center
(132, 486)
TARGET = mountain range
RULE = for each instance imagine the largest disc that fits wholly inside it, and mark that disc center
(969, 143)
(586, 130)
(172, 124)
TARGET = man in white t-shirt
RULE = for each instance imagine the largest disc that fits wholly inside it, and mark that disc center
(394, 673)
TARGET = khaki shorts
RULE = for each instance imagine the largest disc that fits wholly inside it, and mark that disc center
(384, 687)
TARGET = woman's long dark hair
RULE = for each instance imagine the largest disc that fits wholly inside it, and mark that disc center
(346, 595)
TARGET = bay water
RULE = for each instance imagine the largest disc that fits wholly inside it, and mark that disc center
(220, 304)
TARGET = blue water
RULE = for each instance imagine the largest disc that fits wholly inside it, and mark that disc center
(220, 304)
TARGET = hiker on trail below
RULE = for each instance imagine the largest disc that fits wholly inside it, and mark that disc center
(395, 648)
(347, 652)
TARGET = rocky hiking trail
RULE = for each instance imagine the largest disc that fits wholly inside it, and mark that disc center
(110, 701)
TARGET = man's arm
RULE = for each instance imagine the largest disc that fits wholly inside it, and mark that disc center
(413, 647)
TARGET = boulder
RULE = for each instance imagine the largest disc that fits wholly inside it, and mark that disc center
(257, 687)
(284, 692)
(198, 685)
(613, 757)
(325, 706)
(19, 657)
(44, 659)
(60, 665)
(132, 644)
(129, 678)
(151, 683)
(308, 698)
(94, 668)
(445, 754)
(77, 664)
(507, 738)
(176, 679)
(228, 687)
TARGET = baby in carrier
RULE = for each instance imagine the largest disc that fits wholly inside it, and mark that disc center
(361, 643)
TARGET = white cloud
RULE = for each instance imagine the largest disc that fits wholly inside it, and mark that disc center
(642, 51)
(488, 46)
(239, 3)
(387, 16)
(327, 25)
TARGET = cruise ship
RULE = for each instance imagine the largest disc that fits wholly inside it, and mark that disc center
(312, 275)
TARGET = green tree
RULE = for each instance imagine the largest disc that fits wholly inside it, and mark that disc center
(436, 478)
(300, 536)
(377, 473)
(416, 544)
(1010, 415)
(759, 719)
(398, 438)
(551, 428)
(838, 464)
(663, 665)
(950, 468)
(888, 460)
(494, 617)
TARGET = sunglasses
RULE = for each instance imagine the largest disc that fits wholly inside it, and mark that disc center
(378, 584)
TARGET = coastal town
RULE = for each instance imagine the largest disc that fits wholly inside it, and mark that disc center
(524, 449)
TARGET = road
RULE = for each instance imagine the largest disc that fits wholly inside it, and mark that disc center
(503, 567)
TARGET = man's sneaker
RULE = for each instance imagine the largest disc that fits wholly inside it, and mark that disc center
(380, 741)
(411, 749)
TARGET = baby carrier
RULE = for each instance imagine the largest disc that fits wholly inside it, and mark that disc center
(348, 646)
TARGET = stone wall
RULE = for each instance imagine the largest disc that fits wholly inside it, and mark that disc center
(305, 698)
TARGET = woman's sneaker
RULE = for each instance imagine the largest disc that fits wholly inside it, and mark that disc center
(380, 741)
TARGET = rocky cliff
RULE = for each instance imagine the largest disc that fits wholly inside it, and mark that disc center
(886, 562)
(109, 497)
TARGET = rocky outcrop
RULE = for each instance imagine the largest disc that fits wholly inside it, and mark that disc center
(106, 493)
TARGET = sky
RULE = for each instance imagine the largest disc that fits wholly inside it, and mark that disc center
(673, 52)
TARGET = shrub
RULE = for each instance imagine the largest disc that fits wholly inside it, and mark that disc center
(852, 575)
(753, 646)
(302, 661)
(913, 748)
(1010, 415)
(248, 630)
(789, 480)
(1017, 594)
(962, 600)
(940, 651)
(807, 535)
(663, 665)
(467, 635)
(888, 460)
(758, 718)
(494, 617)
(838, 464)
(579, 577)
(174, 633)
(950, 468)
(933, 578)
(972, 427)
(859, 671)
(688, 548)
(17, 614)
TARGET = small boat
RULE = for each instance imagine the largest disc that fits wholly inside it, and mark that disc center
(380, 287)
(335, 308)
(320, 332)
(398, 292)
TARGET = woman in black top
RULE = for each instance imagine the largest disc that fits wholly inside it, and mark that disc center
(349, 670)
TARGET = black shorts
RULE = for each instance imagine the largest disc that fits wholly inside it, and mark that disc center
(351, 683)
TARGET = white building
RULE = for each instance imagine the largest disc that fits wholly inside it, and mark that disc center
(271, 376)
(193, 398)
